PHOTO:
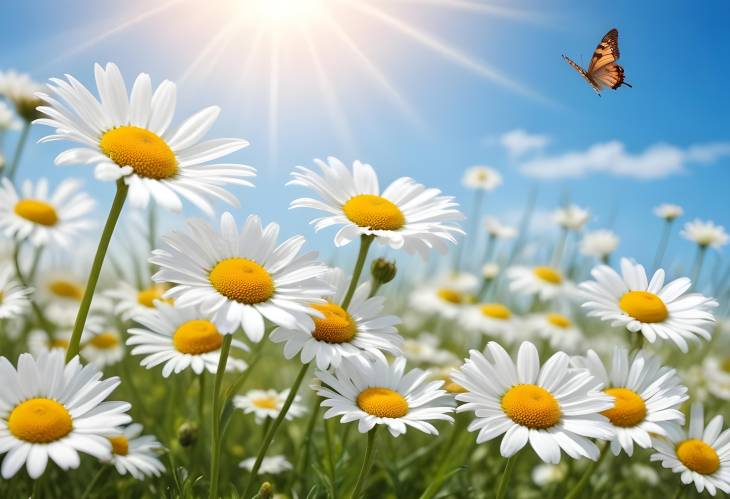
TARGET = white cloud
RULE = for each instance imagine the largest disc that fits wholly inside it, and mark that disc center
(656, 161)
(519, 142)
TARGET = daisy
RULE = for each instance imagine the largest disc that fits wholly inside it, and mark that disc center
(52, 410)
(7, 119)
(240, 277)
(558, 329)
(571, 217)
(543, 281)
(381, 393)
(648, 307)
(272, 465)
(491, 319)
(104, 348)
(446, 296)
(45, 218)
(22, 91)
(130, 301)
(497, 230)
(490, 271)
(425, 350)
(553, 407)
(445, 374)
(14, 301)
(481, 177)
(701, 454)
(599, 244)
(39, 341)
(646, 396)
(362, 329)
(131, 138)
(705, 234)
(717, 374)
(268, 404)
(135, 454)
(668, 212)
(406, 215)
(180, 338)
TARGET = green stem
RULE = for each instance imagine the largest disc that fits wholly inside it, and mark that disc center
(239, 382)
(45, 324)
(201, 397)
(374, 287)
(216, 416)
(106, 236)
(585, 478)
(663, 242)
(473, 220)
(19, 150)
(506, 474)
(92, 483)
(697, 268)
(330, 455)
(366, 464)
(272, 431)
(303, 458)
(365, 242)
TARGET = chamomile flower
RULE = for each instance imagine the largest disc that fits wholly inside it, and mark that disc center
(557, 329)
(7, 119)
(544, 281)
(271, 465)
(268, 404)
(599, 243)
(705, 233)
(717, 374)
(14, 301)
(646, 396)
(242, 277)
(700, 455)
(650, 308)
(52, 410)
(130, 137)
(40, 342)
(481, 177)
(360, 330)
(130, 301)
(491, 319)
(21, 90)
(552, 407)
(180, 338)
(571, 217)
(45, 218)
(446, 296)
(103, 348)
(135, 453)
(406, 215)
(381, 393)
(498, 230)
(424, 349)
(668, 212)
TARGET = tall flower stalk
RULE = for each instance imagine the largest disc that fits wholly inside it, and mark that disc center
(216, 417)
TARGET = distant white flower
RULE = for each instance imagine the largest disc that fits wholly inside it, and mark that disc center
(571, 217)
(20, 89)
(599, 243)
(491, 319)
(558, 329)
(544, 281)
(546, 474)
(490, 270)
(272, 465)
(717, 376)
(481, 177)
(14, 301)
(445, 296)
(130, 301)
(424, 349)
(668, 211)
(268, 404)
(705, 233)
(7, 119)
(497, 230)
(135, 453)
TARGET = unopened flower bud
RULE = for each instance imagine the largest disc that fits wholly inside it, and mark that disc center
(187, 434)
(383, 270)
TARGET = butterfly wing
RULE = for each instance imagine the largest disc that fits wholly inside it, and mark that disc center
(583, 73)
(606, 52)
(611, 76)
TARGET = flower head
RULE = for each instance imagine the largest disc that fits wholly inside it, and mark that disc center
(135, 453)
(21, 90)
(668, 212)
(481, 177)
(268, 404)
(705, 233)
(599, 243)
(571, 217)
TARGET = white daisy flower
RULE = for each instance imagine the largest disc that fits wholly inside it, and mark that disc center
(571, 217)
(599, 243)
(424, 349)
(481, 177)
(406, 215)
(490, 271)
(701, 454)
(180, 338)
(61, 287)
(39, 341)
(557, 329)
(717, 375)
(547, 474)
(7, 119)
(271, 465)
(552, 407)
(359, 330)
(45, 218)
(21, 90)
(131, 138)
(135, 454)
(14, 301)
(52, 410)
(543, 281)
(497, 230)
(268, 404)
(646, 396)
(130, 301)
(240, 277)
(380, 393)
(446, 296)
(445, 374)
(491, 319)
(705, 233)
(104, 348)
(668, 211)
(649, 307)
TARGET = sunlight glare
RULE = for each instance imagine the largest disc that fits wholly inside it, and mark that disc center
(289, 11)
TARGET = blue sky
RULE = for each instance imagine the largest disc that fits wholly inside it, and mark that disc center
(437, 58)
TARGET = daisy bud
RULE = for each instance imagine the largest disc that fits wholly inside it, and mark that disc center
(383, 270)
(187, 434)
(265, 491)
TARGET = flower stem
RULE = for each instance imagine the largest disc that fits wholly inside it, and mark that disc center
(663, 242)
(216, 417)
(585, 478)
(45, 324)
(13, 168)
(473, 221)
(92, 483)
(106, 235)
(366, 464)
(506, 474)
(272, 431)
(559, 248)
(365, 242)
(697, 268)
(201, 397)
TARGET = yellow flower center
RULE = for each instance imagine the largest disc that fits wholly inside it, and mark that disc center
(1, 296)
(558, 320)
(66, 289)
(104, 341)
(196, 337)
(120, 445)
(644, 306)
(451, 296)
(725, 366)
(450, 386)
(147, 297)
(40, 421)
(382, 402)
(58, 343)
(548, 274)
(265, 403)
(496, 311)
(531, 406)
(698, 456)
(147, 154)
(336, 326)
(242, 280)
(36, 211)
(374, 212)
(628, 410)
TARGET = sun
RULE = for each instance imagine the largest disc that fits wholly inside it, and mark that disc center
(288, 11)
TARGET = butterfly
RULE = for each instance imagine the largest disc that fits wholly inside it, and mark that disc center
(603, 70)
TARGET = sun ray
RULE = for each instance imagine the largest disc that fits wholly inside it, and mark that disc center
(211, 52)
(485, 9)
(273, 124)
